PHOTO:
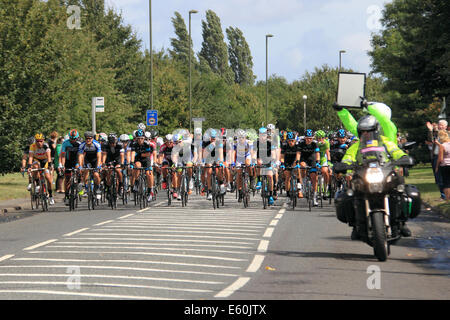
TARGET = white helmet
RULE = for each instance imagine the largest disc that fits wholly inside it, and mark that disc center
(169, 137)
(198, 131)
(124, 138)
(270, 126)
(148, 134)
(141, 126)
(134, 133)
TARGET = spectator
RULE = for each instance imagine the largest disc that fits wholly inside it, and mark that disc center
(59, 178)
(433, 143)
(443, 162)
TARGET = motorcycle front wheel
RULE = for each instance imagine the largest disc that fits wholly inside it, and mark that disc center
(379, 238)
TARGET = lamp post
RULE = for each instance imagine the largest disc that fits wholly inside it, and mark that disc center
(304, 111)
(340, 58)
(267, 84)
(190, 84)
(151, 54)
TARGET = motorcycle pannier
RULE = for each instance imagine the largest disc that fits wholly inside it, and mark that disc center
(345, 211)
(413, 203)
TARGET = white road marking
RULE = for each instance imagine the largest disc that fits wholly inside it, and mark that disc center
(194, 227)
(143, 210)
(273, 222)
(159, 262)
(279, 216)
(83, 294)
(268, 233)
(168, 240)
(104, 222)
(97, 284)
(168, 235)
(6, 257)
(75, 232)
(256, 263)
(263, 245)
(40, 244)
(153, 231)
(239, 283)
(124, 268)
(182, 245)
(65, 275)
(126, 216)
(146, 254)
(150, 248)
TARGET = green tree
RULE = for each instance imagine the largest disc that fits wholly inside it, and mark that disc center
(214, 49)
(241, 60)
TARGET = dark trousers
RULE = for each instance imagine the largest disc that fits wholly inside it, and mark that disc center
(438, 176)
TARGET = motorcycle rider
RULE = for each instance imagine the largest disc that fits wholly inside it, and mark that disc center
(370, 139)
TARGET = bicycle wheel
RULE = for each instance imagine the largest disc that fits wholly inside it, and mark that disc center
(264, 192)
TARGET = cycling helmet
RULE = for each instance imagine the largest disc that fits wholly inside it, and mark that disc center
(320, 134)
(309, 133)
(31, 140)
(89, 134)
(169, 137)
(213, 133)
(112, 138)
(140, 133)
(177, 138)
(198, 131)
(154, 133)
(141, 126)
(73, 134)
(270, 127)
(131, 136)
(341, 133)
(103, 137)
(223, 132)
(124, 138)
(262, 130)
(240, 133)
(39, 136)
(147, 134)
(290, 136)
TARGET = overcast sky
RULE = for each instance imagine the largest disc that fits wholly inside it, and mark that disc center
(307, 34)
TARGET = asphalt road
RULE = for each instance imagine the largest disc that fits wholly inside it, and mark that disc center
(198, 253)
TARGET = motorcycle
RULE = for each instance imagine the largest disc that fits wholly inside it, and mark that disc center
(377, 202)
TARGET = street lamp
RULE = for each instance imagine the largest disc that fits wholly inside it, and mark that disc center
(267, 67)
(304, 111)
(190, 85)
(151, 54)
(340, 58)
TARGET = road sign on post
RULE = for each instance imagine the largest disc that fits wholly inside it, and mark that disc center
(152, 117)
(98, 105)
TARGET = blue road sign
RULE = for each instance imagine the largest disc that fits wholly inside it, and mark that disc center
(152, 117)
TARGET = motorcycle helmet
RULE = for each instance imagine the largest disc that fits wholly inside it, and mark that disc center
(368, 129)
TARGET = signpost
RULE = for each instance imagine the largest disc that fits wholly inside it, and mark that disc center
(98, 105)
(152, 118)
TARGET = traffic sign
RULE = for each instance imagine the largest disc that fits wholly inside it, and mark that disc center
(98, 104)
(152, 117)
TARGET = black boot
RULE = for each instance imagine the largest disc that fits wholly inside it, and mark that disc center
(355, 234)
(405, 231)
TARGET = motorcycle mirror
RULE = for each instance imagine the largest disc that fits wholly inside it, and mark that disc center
(405, 161)
(409, 145)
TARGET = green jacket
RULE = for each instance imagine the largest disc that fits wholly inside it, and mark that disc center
(388, 127)
(353, 153)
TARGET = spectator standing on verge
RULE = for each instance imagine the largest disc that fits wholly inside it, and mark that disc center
(59, 178)
(443, 162)
(433, 141)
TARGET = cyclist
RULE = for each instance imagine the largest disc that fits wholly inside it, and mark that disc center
(266, 154)
(68, 158)
(324, 148)
(140, 156)
(113, 153)
(242, 155)
(165, 159)
(24, 161)
(40, 157)
(310, 156)
(213, 154)
(290, 155)
(90, 156)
